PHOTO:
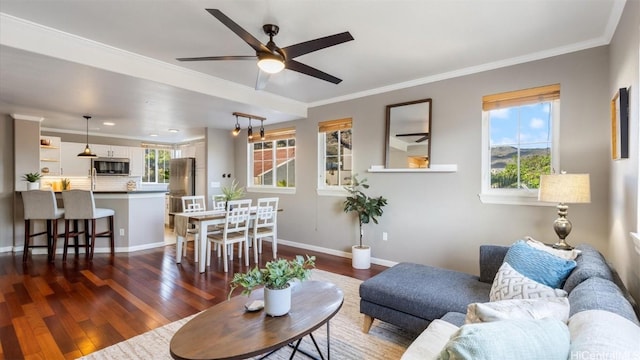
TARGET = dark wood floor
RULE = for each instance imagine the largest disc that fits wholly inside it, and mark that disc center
(67, 310)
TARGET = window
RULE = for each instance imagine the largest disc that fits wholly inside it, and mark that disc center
(336, 153)
(156, 166)
(273, 160)
(520, 142)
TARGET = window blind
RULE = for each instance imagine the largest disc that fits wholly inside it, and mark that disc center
(521, 97)
(275, 134)
(334, 125)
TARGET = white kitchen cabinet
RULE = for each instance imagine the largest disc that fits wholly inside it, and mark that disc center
(136, 164)
(70, 163)
(110, 150)
(50, 155)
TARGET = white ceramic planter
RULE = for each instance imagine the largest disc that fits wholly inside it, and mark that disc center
(33, 185)
(361, 257)
(277, 302)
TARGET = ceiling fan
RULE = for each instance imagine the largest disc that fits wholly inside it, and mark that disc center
(423, 136)
(273, 59)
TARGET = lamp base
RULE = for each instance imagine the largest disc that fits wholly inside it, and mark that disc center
(561, 245)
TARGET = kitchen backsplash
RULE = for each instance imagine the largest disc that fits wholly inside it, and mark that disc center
(103, 183)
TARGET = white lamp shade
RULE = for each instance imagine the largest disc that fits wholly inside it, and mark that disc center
(565, 188)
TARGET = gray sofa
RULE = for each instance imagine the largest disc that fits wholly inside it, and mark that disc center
(411, 296)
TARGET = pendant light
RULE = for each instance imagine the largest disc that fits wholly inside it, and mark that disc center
(236, 130)
(87, 151)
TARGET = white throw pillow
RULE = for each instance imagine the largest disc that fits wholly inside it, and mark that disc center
(510, 284)
(432, 340)
(534, 309)
(564, 254)
(600, 334)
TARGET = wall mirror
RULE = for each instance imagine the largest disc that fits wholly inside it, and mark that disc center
(408, 135)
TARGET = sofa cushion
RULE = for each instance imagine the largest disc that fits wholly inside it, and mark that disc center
(454, 318)
(491, 258)
(534, 309)
(599, 334)
(430, 342)
(600, 294)
(510, 284)
(539, 265)
(510, 339)
(424, 291)
(590, 263)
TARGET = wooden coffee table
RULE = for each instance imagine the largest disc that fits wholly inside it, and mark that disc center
(228, 331)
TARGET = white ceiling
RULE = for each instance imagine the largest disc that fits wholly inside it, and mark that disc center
(115, 60)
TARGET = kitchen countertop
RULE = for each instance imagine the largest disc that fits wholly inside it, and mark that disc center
(120, 191)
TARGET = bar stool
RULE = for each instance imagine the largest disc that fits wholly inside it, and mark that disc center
(80, 205)
(41, 205)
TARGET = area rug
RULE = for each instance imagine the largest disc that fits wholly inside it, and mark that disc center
(384, 341)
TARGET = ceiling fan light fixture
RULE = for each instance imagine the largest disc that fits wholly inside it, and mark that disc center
(270, 64)
(87, 151)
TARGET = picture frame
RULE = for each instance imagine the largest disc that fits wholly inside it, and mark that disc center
(620, 125)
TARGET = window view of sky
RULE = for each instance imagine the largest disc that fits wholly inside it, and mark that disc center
(526, 126)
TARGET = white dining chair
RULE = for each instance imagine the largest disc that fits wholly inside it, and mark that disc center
(190, 204)
(235, 231)
(265, 225)
(219, 202)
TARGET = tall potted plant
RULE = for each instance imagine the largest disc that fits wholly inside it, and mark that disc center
(275, 277)
(232, 192)
(367, 208)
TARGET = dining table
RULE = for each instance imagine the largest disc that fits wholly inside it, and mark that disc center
(203, 219)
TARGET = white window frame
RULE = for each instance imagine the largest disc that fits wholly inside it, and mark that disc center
(324, 189)
(516, 196)
(267, 189)
(172, 155)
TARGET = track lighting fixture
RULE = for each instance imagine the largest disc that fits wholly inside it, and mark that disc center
(236, 131)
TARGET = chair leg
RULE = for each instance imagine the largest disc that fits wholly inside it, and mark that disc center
(93, 238)
(225, 258)
(208, 250)
(274, 245)
(196, 247)
(66, 238)
(87, 242)
(112, 239)
(255, 249)
(246, 252)
(27, 227)
(54, 240)
(178, 249)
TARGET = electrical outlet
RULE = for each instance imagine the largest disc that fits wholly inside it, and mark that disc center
(121, 232)
(384, 236)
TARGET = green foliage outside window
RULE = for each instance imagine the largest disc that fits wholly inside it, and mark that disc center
(531, 167)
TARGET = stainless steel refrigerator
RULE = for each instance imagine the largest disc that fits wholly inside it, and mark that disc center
(182, 182)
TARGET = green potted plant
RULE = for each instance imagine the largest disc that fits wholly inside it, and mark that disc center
(275, 277)
(33, 180)
(232, 192)
(368, 209)
(66, 184)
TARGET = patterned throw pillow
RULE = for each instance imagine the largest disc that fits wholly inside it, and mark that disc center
(533, 309)
(539, 265)
(510, 284)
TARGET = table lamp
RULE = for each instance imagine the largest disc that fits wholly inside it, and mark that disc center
(564, 189)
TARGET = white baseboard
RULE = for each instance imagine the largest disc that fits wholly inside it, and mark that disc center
(343, 254)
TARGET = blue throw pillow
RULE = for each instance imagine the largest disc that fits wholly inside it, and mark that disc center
(539, 265)
(509, 339)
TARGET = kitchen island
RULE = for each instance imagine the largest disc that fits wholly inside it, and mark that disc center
(138, 222)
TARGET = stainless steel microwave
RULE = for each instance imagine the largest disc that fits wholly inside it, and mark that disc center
(110, 166)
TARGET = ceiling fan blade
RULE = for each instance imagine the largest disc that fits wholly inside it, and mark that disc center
(262, 79)
(317, 44)
(207, 58)
(248, 38)
(422, 139)
(308, 70)
(414, 134)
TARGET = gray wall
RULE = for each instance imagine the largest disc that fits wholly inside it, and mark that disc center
(624, 64)
(437, 218)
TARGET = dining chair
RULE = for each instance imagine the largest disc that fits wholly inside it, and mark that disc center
(235, 231)
(190, 204)
(41, 205)
(81, 205)
(265, 225)
(219, 202)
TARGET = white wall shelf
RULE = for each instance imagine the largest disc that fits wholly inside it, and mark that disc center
(444, 168)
